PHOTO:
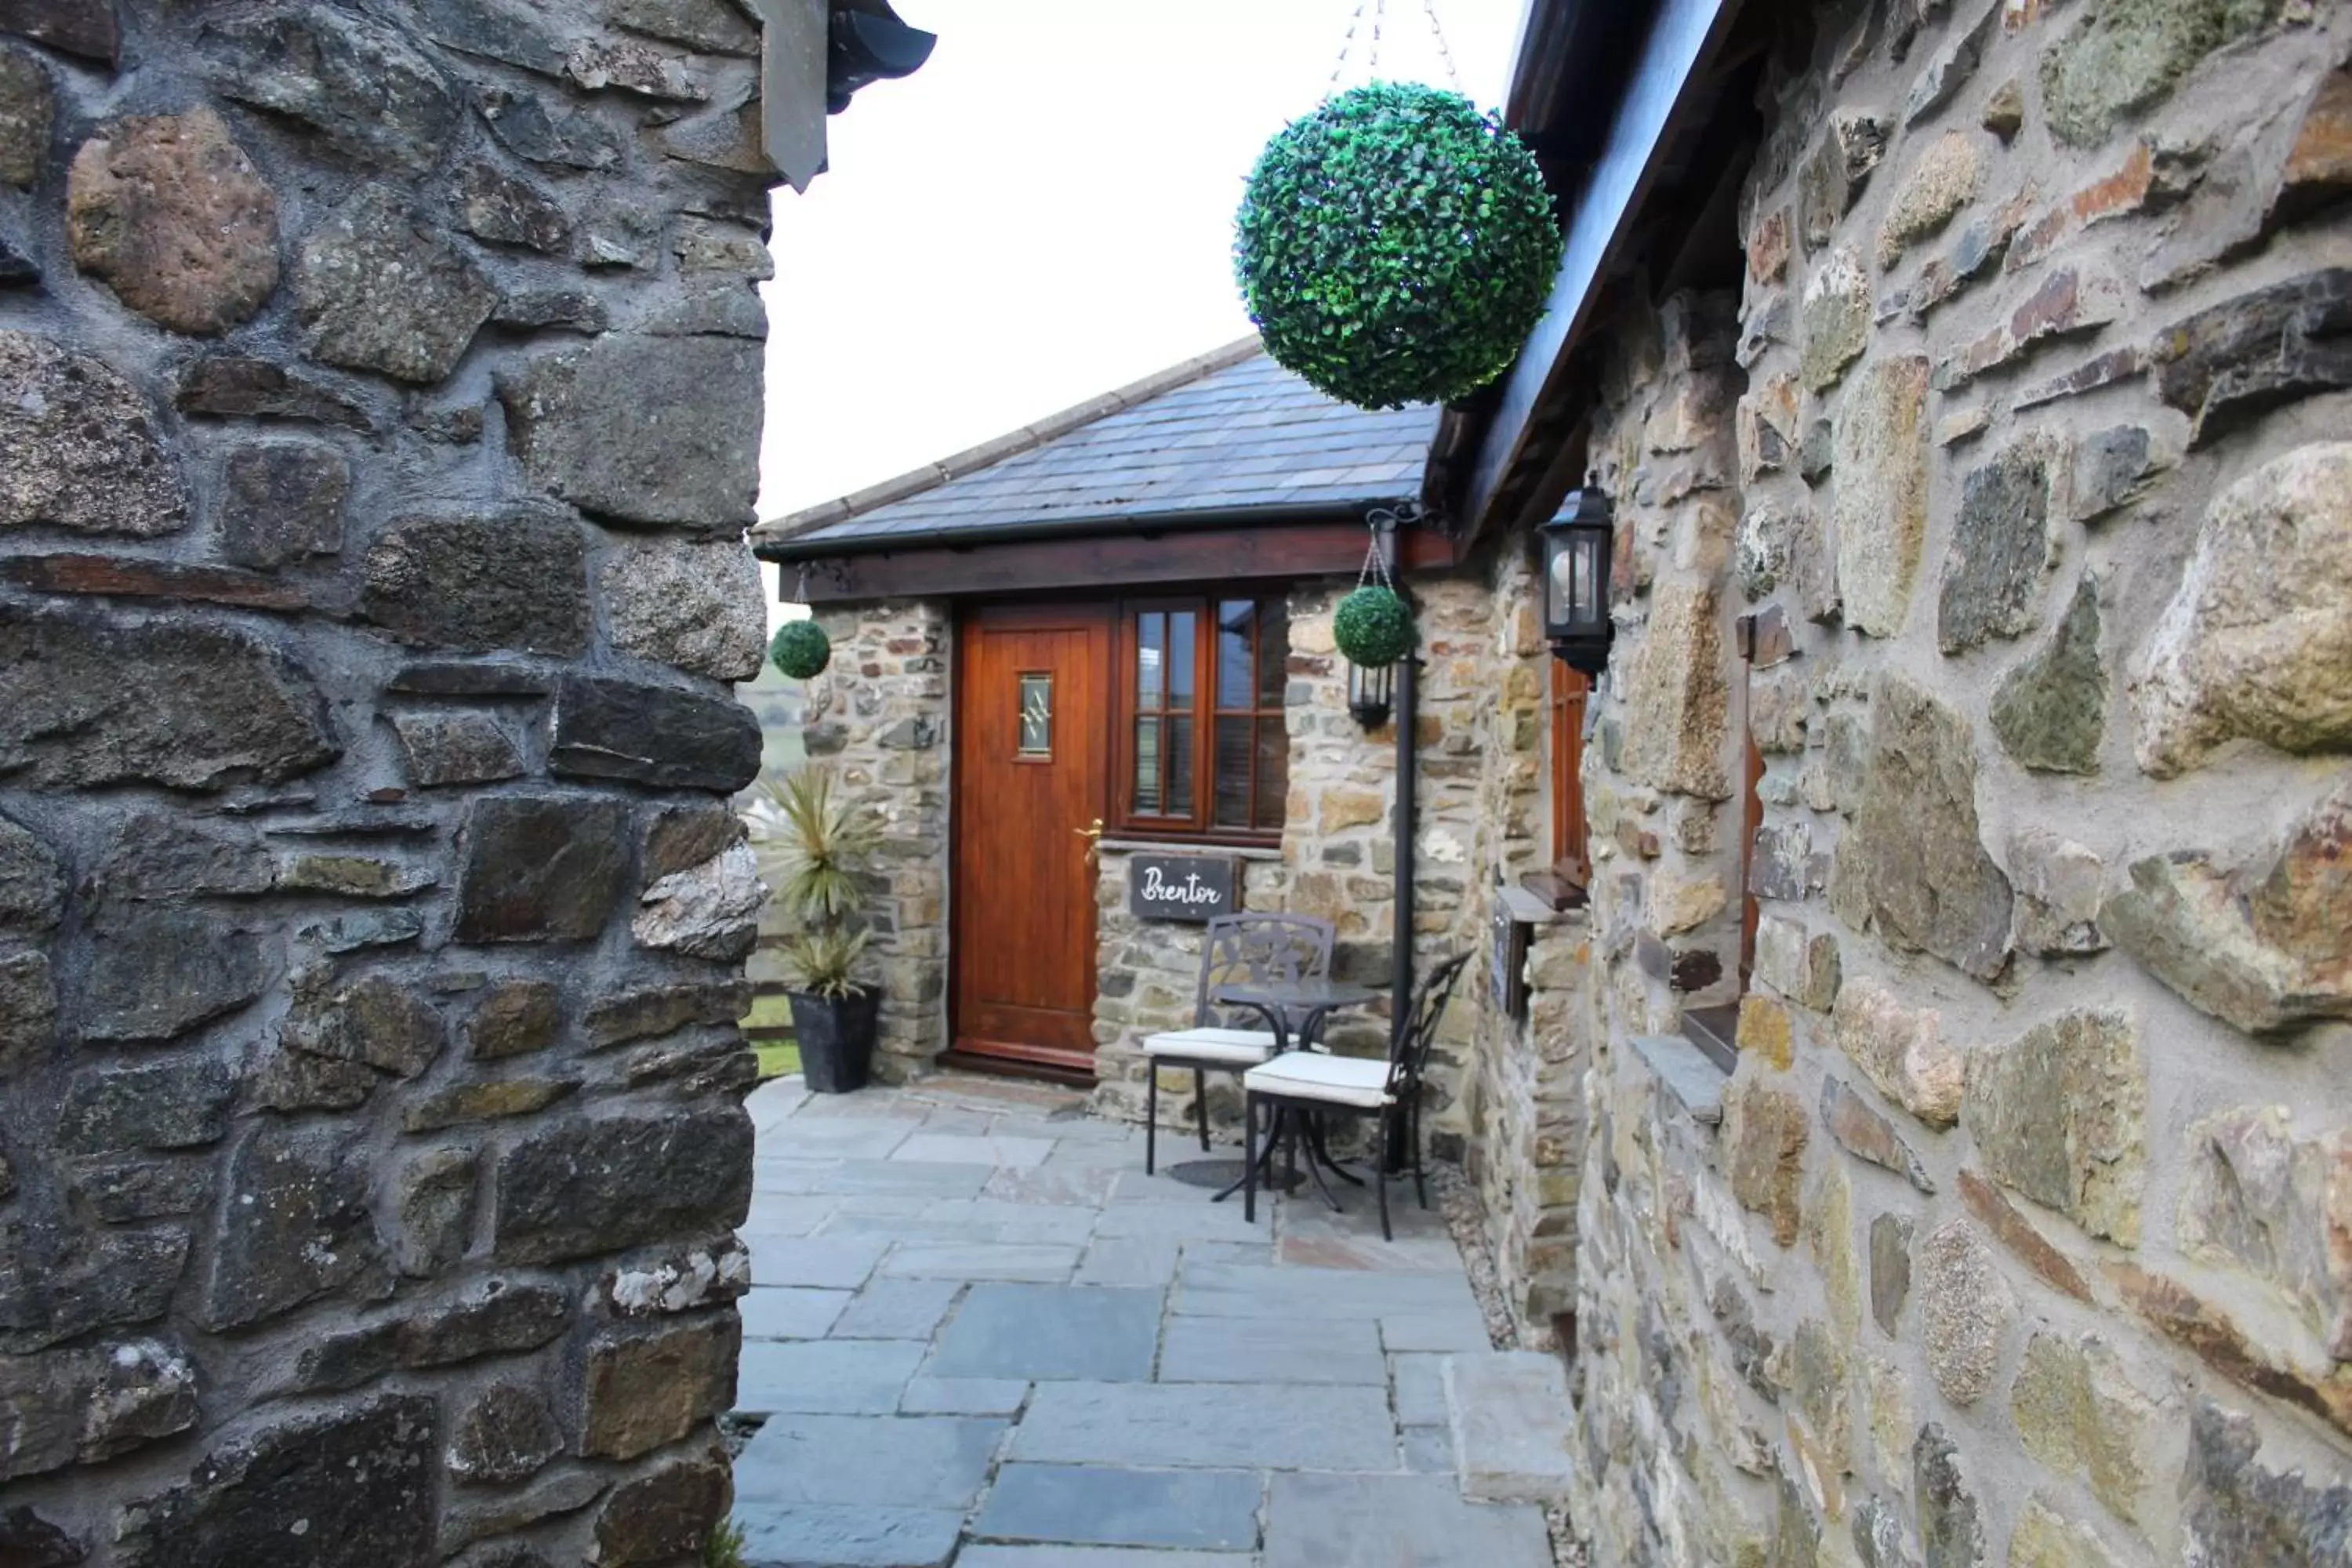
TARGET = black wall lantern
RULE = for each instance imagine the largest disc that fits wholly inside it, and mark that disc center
(1577, 544)
(1370, 691)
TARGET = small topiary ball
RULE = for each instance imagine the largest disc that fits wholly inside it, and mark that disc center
(1373, 626)
(801, 649)
(1396, 246)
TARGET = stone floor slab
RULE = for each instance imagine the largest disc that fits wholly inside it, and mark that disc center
(910, 1178)
(783, 1214)
(825, 1377)
(1231, 1291)
(875, 1461)
(963, 1396)
(1429, 1450)
(1510, 1414)
(891, 1309)
(1207, 1426)
(1087, 1186)
(1395, 1521)
(1094, 1506)
(840, 1140)
(1462, 1329)
(790, 1312)
(1095, 1557)
(1273, 1350)
(1420, 1383)
(824, 1262)
(1051, 1331)
(934, 1146)
(996, 1219)
(1033, 1263)
(831, 1535)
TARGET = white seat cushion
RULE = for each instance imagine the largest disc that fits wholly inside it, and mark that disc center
(1360, 1081)
(1243, 1048)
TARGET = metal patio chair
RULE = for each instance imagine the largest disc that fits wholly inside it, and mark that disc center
(1389, 1090)
(1255, 949)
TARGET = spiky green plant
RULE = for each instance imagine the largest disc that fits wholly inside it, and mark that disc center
(814, 844)
(723, 1547)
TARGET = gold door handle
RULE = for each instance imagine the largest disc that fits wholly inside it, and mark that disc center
(1093, 835)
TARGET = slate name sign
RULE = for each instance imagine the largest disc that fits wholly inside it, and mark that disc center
(1181, 887)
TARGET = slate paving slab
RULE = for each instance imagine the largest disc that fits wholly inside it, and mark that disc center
(963, 1396)
(825, 1262)
(1509, 1411)
(1042, 1332)
(1462, 1329)
(1276, 1350)
(1394, 1522)
(1092, 1505)
(1036, 1263)
(987, 1556)
(1420, 1383)
(841, 1377)
(838, 1535)
(1314, 1295)
(1207, 1426)
(896, 1310)
(915, 1178)
(790, 1312)
(880, 1461)
(999, 1153)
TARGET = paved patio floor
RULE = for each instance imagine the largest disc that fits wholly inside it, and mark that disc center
(981, 1335)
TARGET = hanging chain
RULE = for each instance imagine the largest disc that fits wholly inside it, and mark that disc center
(1347, 44)
(1376, 562)
(1452, 77)
(1372, 59)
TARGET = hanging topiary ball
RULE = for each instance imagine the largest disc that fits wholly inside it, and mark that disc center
(1373, 626)
(1396, 246)
(801, 650)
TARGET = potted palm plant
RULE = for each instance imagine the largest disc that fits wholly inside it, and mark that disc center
(818, 842)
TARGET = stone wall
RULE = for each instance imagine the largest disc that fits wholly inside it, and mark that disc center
(379, 397)
(2017, 1237)
(1527, 1100)
(879, 717)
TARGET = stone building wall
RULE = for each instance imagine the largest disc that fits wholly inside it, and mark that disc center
(2017, 1237)
(380, 399)
(1527, 1101)
(879, 716)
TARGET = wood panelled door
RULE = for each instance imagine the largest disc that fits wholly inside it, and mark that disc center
(1032, 781)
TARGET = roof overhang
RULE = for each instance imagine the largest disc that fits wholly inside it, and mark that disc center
(1601, 90)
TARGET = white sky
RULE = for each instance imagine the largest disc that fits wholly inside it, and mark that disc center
(1045, 212)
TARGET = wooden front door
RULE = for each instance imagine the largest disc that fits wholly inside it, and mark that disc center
(1032, 777)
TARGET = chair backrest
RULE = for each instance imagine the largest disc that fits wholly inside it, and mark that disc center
(1260, 950)
(1409, 1053)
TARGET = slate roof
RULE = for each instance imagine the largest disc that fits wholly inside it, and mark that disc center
(1228, 432)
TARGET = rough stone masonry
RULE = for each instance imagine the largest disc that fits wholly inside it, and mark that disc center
(2022, 1233)
(380, 395)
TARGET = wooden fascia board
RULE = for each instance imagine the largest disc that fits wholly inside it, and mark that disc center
(1107, 564)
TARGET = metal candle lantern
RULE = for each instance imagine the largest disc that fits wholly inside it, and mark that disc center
(1577, 543)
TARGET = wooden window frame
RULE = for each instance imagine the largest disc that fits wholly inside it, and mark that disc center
(1199, 827)
(1568, 691)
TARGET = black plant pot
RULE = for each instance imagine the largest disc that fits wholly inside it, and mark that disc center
(835, 1035)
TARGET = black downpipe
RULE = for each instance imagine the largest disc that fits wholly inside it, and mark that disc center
(1408, 756)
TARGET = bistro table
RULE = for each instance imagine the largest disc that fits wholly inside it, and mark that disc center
(1278, 1003)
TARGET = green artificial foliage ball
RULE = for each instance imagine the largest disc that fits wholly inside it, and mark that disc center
(801, 649)
(1373, 626)
(1396, 246)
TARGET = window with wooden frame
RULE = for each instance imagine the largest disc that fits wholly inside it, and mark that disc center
(1203, 749)
(1568, 690)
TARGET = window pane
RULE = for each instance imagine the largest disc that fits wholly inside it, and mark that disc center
(1180, 659)
(1235, 619)
(1232, 774)
(1037, 715)
(1147, 767)
(1180, 767)
(1151, 659)
(1273, 651)
(1272, 772)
